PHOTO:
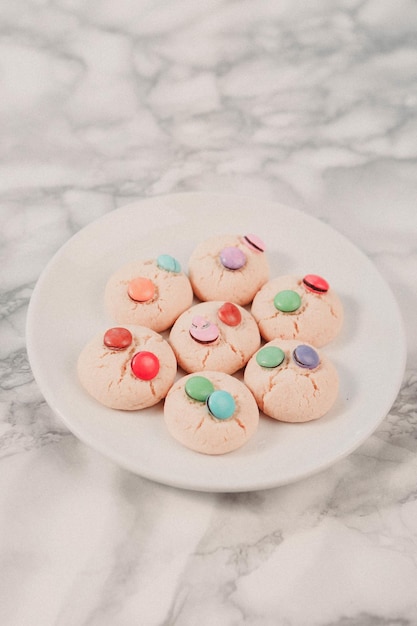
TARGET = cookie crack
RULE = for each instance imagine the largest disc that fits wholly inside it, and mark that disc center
(240, 424)
(126, 363)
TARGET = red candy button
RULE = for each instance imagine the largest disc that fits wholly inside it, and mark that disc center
(145, 365)
(229, 314)
(316, 284)
(117, 338)
(141, 289)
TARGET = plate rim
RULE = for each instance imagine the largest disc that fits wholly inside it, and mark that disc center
(259, 485)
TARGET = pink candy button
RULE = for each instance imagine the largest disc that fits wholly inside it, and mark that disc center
(203, 330)
(254, 242)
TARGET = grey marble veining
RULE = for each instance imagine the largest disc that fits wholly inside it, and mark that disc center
(309, 104)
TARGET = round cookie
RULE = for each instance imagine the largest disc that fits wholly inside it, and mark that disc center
(127, 368)
(292, 381)
(149, 293)
(211, 412)
(228, 267)
(294, 307)
(214, 335)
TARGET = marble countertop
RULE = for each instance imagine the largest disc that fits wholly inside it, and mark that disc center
(312, 105)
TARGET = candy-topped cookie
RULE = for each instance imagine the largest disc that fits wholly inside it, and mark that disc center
(229, 267)
(129, 367)
(211, 412)
(292, 381)
(150, 293)
(214, 335)
(297, 307)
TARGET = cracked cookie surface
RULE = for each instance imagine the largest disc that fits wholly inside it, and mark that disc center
(228, 353)
(189, 421)
(291, 393)
(172, 295)
(318, 320)
(212, 281)
(106, 373)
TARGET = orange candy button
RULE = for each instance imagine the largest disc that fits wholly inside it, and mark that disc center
(141, 289)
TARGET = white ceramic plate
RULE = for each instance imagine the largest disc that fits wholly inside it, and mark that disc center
(66, 310)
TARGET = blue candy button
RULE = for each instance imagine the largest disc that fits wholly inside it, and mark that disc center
(168, 263)
(221, 404)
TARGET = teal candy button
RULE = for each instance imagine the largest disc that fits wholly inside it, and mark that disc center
(199, 388)
(287, 301)
(221, 404)
(168, 263)
(270, 356)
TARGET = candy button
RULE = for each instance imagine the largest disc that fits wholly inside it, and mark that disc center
(232, 258)
(141, 289)
(117, 338)
(229, 314)
(221, 404)
(145, 365)
(287, 301)
(316, 284)
(203, 330)
(168, 263)
(305, 356)
(199, 388)
(270, 356)
(254, 242)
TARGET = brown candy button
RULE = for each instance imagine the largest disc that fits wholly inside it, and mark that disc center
(117, 338)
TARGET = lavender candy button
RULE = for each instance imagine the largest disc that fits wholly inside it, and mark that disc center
(307, 357)
(232, 258)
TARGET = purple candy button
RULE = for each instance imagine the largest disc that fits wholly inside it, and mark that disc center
(307, 357)
(232, 258)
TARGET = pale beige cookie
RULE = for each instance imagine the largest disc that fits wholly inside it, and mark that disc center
(148, 294)
(129, 368)
(293, 307)
(292, 381)
(214, 335)
(211, 412)
(228, 267)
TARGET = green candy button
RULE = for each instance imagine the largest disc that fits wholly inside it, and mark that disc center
(199, 388)
(270, 356)
(287, 301)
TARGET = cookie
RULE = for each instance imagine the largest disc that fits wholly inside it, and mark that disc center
(228, 267)
(211, 412)
(293, 307)
(149, 293)
(292, 381)
(214, 335)
(127, 368)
